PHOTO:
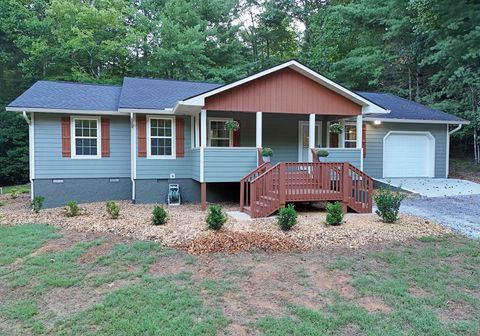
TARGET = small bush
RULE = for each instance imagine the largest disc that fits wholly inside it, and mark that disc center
(24, 190)
(13, 193)
(37, 203)
(267, 151)
(287, 217)
(159, 215)
(113, 209)
(322, 153)
(2, 203)
(72, 209)
(388, 203)
(334, 213)
(215, 217)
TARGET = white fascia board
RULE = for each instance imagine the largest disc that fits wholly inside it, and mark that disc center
(418, 121)
(62, 111)
(373, 108)
(146, 111)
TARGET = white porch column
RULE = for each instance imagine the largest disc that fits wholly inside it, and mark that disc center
(203, 128)
(311, 136)
(197, 129)
(359, 131)
(259, 130)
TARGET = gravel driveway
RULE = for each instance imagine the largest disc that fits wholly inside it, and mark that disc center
(460, 213)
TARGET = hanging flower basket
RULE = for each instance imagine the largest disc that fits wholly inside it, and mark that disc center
(232, 125)
(336, 128)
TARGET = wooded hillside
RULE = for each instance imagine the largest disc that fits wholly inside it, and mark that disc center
(425, 50)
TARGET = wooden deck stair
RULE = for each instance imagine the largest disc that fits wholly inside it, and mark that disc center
(264, 190)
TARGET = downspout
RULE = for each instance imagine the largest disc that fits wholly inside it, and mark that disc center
(31, 146)
(456, 129)
(133, 153)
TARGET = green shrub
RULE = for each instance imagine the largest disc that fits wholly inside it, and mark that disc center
(13, 193)
(24, 190)
(159, 215)
(334, 213)
(322, 153)
(72, 209)
(113, 209)
(215, 217)
(388, 203)
(287, 217)
(2, 203)
(37, 203)
(267, 151)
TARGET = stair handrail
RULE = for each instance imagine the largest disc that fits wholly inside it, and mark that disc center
(265, 172)
(246, 179)
(264, 166)
(369, 184)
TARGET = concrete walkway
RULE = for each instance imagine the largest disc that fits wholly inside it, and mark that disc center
(435, 187)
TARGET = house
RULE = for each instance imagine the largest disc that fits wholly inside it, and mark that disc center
(98, 142)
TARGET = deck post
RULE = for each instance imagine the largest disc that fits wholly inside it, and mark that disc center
(346, 186)
(258, 128)
(359, 129)
(311, 136)
(282, 185)
(242, 194)
(203, 196)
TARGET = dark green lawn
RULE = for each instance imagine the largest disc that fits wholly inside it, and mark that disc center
(102, 285)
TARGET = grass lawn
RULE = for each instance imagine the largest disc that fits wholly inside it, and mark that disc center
(22, 189)
(57, 282)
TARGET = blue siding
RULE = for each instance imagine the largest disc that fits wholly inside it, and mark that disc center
(354, 156)
(196, 164)
(373, 163)
(161, 169)
(229, 164)
(49, 162)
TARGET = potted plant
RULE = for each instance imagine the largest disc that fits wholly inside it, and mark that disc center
(322, 155)
(336, 128)
(232, 125)
(267, 154)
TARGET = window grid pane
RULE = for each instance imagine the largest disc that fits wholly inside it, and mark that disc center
(219, 136)
(86, 137)
(161, 137)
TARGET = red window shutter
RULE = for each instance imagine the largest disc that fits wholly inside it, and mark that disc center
(333, 140)
(180, 137)
(364, 140)
(105, 137)
(142, 136)
(236, 137)
(66, 137)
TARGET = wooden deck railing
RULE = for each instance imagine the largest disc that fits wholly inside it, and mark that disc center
(305, 182)
(245, 183)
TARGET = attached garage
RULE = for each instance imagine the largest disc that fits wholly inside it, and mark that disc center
(408, 154)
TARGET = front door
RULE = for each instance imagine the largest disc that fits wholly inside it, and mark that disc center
(304, 139)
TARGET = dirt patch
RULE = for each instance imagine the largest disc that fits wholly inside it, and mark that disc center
(233, 242)
(456, 311)
(374, 304)
(418, 292)
(335, 280)
(97, 251)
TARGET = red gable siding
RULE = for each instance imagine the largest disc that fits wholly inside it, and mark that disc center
(284, 91)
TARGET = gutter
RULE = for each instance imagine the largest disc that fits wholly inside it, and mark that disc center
(133, 153)
(456, 129)
(31, 149)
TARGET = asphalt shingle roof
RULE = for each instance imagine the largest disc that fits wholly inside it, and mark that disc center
(143, 93)
(402, 108)
(67, 95)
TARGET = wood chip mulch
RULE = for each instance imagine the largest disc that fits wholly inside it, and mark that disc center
(233, 242)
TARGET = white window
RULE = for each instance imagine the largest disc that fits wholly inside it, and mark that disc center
(86, 142)
(350, 136)
(218, 135)
(161, 137)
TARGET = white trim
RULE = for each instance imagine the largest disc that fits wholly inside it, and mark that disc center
(258, 129)
(431, 161)
(300, 136)
(311, 139)
(146, 110)
(209, 137)
(202, 164)
(418, 121)
(203, 128)
(73, 148)
(368, 106)
(69, 111)
(192, 132)
(31, 150)
(133, 152)
(149, 140)
(197, 130)
(447, 163)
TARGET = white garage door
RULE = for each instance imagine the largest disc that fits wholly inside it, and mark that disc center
(408, 155)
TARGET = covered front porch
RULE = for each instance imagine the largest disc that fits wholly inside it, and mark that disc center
(226, 156)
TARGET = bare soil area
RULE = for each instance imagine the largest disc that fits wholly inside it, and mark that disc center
(185, 227)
